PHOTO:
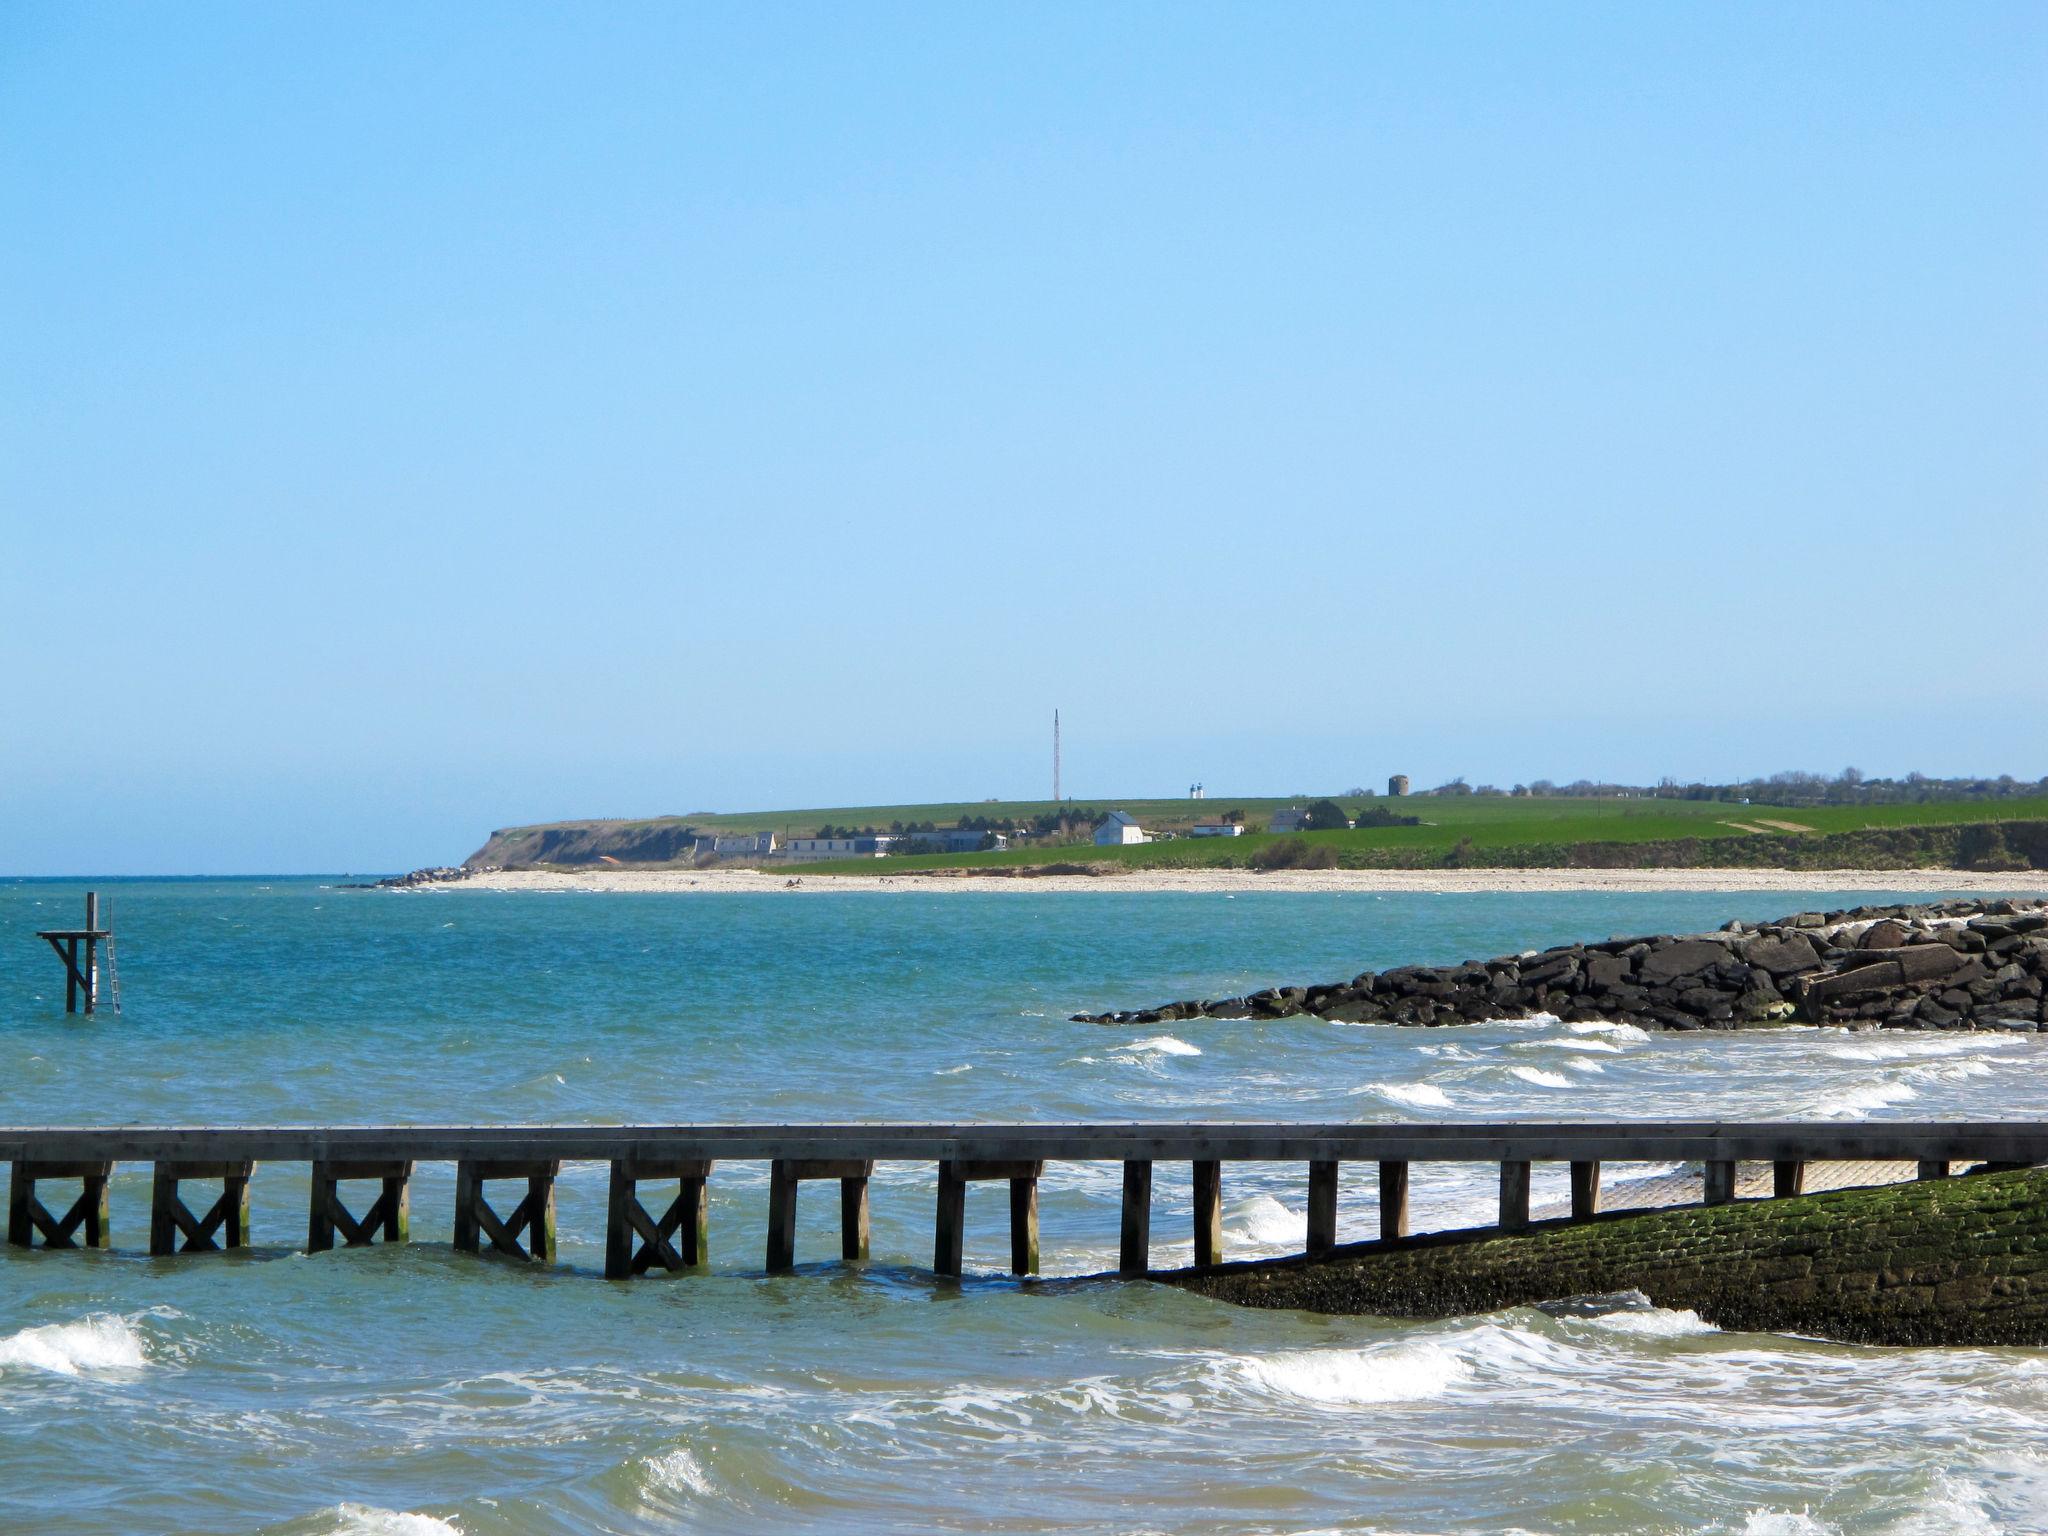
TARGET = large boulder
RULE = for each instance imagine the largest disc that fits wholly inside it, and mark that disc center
(1782, 954)
(1686, 957)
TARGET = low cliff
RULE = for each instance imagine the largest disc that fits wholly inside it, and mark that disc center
(1948, 1261)
(664, 840)
(1942, 965)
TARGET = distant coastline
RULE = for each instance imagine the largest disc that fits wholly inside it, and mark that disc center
(712, 882)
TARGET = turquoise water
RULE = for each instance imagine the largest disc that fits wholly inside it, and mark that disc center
(413, 1391)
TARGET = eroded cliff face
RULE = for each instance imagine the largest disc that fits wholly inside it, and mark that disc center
(665, 840)
(1960, 1261)
(1966, 964)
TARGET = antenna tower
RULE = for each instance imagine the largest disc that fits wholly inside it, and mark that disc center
(1055, 757)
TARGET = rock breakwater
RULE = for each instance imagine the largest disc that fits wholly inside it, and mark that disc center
(1961, 964)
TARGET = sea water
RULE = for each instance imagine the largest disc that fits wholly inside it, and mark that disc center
(410, 1390)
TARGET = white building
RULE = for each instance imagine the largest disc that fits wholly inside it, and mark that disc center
(1289, 820)
(1217, 829)
(812, 850)
(1119, 828)
(737, 845)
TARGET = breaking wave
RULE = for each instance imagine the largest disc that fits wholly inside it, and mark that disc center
(366, 1520)
(1409, 1095)
(102, 1342)
(1540, 1077)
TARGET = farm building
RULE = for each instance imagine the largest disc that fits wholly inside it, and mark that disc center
(1117, 828)
(737, 845)
(1288, 820)
(1217, 829)
(809, 850)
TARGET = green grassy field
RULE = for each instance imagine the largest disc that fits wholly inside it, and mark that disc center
(1490, 823)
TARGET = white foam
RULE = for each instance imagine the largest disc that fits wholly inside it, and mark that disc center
(1915, 1047)
(1613, 1030)
(1855, 1103)
(1782, 1522)
(1583, 1064)
(1412, 1095)
(678, 1471)
(102, 1342)
(1652, 1322)
(366, 1520)
(1263, 1219)
(965, 1066)
(1164, 1045)
(1540, 1077)
(1391, 1373)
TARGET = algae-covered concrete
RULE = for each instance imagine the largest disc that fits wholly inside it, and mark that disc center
(1944, 1261)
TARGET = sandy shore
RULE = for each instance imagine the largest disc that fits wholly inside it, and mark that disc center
(1231, 881)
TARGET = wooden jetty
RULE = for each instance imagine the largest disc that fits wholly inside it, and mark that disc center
(529, 1158)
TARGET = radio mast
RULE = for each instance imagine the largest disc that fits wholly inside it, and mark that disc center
(1055, 757)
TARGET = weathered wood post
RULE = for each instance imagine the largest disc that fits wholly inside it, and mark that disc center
(1208, 1182)
(1788, 1178)
(533, 1217)
(390, 1213)
(1585, 1191)
(949, 1223)
(1322, 1206)
(1024, 1224)
(1134, 1245)
(634, 1240)
(92, 952)
(172, 1226)
(26, 1214)
(785, 1174)
(950, 1230)
(1514, 1196)
(1719, 1181)
(1931, 1169)
(1393, 1201)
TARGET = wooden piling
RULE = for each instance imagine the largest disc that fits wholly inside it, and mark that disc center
(949, 1235)
(1134, 1245)
(1931, 1168)
(532, 1219)
(1788, 1178)
(1208, 1183)
(1585, 1190)
(635, 1240)
(855, 1225)
(949, 1226)
(1322, 1206)
(1718, 1181)
(172, 1226)
(1393, 1200)
(786, 1174)
(1514, 1196)
(1024, 1225)
(27, 1215)
(390, 1213)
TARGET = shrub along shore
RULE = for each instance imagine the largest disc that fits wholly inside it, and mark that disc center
(1960, 964)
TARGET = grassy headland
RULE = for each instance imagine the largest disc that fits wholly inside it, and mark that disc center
(1471, 830)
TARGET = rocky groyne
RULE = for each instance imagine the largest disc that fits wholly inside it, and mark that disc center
(1961, 964)
(1960, 1261)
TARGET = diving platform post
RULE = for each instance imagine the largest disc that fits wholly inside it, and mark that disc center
(82, 969)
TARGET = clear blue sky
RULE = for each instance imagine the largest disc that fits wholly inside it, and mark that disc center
(418, 419)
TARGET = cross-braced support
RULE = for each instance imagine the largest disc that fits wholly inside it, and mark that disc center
(27, 1215)
(533, 1217)
(172, 1226)
(390, 1213)
(635, 1241)
(786, 1173)
(949, 1236)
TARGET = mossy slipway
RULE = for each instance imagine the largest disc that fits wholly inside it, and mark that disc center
(1960, 1261)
